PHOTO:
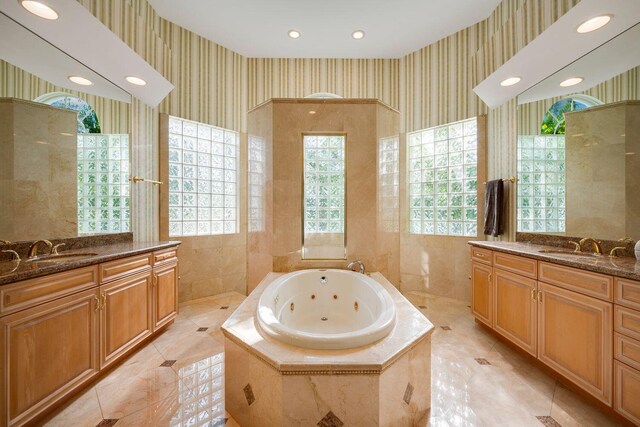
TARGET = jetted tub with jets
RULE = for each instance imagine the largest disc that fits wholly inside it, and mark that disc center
(326, 309)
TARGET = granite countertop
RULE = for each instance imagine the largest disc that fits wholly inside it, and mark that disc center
(14, 271)
(626, 267)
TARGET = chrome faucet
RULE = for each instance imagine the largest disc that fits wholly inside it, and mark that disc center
(596, 246)
(355, 263)
(33, 249)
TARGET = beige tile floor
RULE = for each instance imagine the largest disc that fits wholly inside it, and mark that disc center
(506, 390)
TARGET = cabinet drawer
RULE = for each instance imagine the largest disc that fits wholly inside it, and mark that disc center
(627, 350)
(165, 255)
(481, 255)
(124, 267)
(585, 282)
(28, 293)
(627, 322)
(627, 390)
(627, 292)
(516, 264)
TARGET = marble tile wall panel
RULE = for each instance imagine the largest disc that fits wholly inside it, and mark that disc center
(39, 171)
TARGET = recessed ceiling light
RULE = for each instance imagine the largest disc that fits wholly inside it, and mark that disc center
(39, 9)
(358, 34)
(312, 112)
(80, 80)
(594, 24)
(510, 81)
(294, 34)
(136, 81)
(571, 82)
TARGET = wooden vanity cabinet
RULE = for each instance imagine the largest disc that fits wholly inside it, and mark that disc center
(626, 324)
(125, 315)
(575, 337)
(516, 311)
(561, 315)
(164, 294)
(482, 292)
(48, 351)
(58, 331)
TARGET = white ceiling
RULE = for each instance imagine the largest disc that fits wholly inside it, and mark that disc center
(258, 28)
(615, 57)
(59, 66)
(558, 46)
(80, 36)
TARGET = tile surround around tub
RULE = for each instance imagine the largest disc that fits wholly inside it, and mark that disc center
(278, 246)
(462, 393)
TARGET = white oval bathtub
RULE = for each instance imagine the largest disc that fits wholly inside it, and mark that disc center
(326, 309)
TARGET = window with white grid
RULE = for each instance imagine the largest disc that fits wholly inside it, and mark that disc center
(389, 183)
(443, 180)
(324, 183)
(103, 183)
(203, 179)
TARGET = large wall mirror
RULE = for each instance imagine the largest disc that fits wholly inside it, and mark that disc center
(324, 190)
(64, 154)
(579, 146)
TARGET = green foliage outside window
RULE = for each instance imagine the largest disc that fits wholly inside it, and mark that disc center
(553, 122)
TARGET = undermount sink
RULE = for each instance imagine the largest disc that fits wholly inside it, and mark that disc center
(572, 253)
(62, 257)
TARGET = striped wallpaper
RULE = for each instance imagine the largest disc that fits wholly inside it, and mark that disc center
(217, 86)
(349, 78)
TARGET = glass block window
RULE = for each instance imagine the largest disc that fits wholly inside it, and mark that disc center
(388, 184)
(541, 183)
(443, 180)
(324, 183)
(104, 202)
(203, 179)
(257, 159)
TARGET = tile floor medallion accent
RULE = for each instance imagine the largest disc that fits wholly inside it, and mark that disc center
(422, 306)
(168, 363)
(482, 361)
(140, 393)
(330, 420)
(408, 392)
(248, 394)
(107, 423)
(224, 307)
(446, 328)
(548, 421)
(202, 329)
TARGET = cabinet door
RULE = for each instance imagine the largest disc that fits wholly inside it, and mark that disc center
(165, 294)
(125, 315)
(47, 352)
(482, 293)
(575, 338)
(516, 316)
(627, 392)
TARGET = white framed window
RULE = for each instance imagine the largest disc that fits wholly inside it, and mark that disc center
(443, 180)
(203, 179)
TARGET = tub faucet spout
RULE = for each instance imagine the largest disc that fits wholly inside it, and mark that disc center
(351, 266)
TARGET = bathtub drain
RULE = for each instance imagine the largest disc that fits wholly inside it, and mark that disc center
(323, 318)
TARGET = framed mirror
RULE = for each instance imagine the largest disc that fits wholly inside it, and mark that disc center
(578, 151)
(324, 200)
